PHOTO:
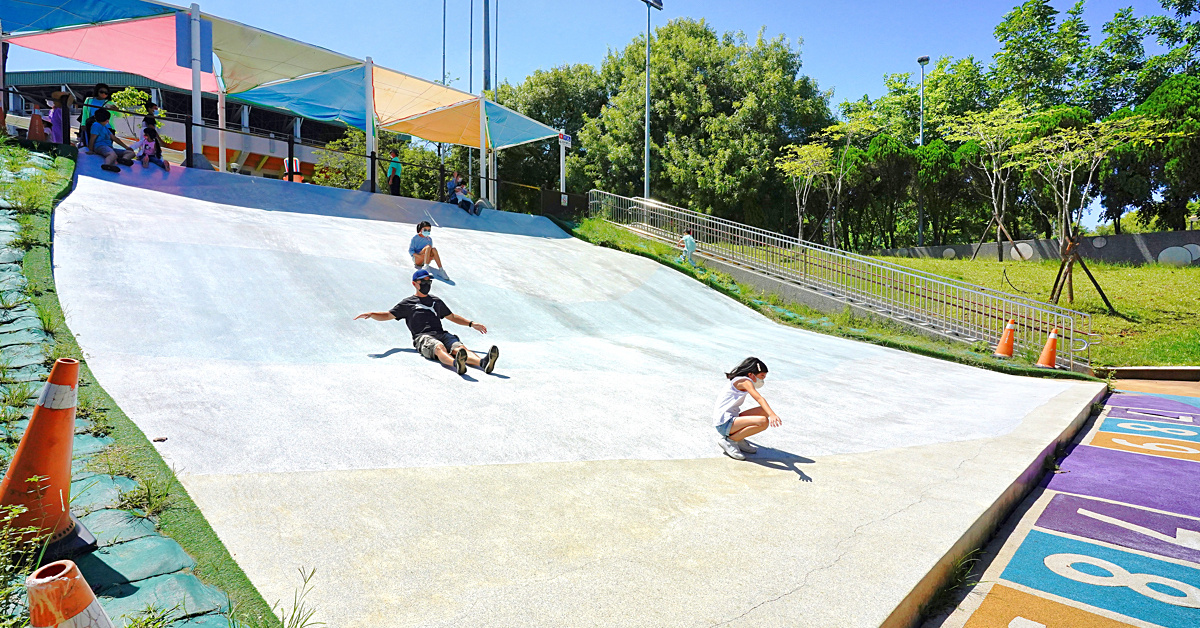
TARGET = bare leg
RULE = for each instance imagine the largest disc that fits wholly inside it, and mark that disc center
(472, 359)
(430, 253)
(419, 259)
(748, 424)
(443, 356)
(110, 158)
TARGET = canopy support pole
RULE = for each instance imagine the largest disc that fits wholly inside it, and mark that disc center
(370, 117)
(221, 132)
(197, 121)
(562, 165)
(483, 170)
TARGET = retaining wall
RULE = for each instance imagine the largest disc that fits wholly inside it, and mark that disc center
(1177, 248)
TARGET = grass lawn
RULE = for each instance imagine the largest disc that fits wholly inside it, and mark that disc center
(887, 334)
(181, 519)
(1159, 305)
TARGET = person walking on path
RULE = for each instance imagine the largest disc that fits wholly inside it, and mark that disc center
(689, 246)
(733, 425)
(423, 314)
(393, 172)
(421, 248)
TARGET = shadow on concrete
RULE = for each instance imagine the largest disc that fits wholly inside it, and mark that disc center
(389, 352)
(779, 460)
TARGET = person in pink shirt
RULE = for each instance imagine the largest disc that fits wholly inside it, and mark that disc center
(149, 149)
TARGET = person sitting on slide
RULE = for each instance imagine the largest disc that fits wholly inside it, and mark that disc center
(423, 314)
(456, 187)
(421, 248)
(100, 142)
(733, 425)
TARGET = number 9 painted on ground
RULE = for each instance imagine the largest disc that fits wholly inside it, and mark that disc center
(1064, 565)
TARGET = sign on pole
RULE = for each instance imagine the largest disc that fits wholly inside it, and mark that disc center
(564, 140)
(183, 42)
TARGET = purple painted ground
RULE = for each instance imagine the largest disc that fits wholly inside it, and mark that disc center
(1150, 481)
(1084, 517)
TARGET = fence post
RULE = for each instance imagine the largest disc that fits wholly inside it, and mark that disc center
(187, 150)
(287, 167)
(441, 185)
(373, 171)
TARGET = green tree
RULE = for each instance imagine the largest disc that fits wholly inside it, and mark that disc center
(1041, 61)
(806, 166)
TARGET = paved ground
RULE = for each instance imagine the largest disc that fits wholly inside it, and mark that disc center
(1113, 539)
(579, 484)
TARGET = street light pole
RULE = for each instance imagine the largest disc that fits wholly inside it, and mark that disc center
(657, 4)
(922, 61)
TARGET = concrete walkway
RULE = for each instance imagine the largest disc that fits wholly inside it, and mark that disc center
(578, 484)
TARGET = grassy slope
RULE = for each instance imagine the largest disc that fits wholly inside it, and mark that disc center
(895, 336)
(1160, 304)
(183, 520)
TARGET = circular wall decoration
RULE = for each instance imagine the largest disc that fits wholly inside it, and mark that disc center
(949, 254)
(1175, 256)
(1194, 249)
(1022, 251)
(1099, 242)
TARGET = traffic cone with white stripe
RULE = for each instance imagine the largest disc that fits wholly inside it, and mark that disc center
(1004, 349)
(59, 597)
(1046, 360)
(39, 477)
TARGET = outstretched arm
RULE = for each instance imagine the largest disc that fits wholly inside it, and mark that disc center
(772, 418)
(479, 327)
(376, 316)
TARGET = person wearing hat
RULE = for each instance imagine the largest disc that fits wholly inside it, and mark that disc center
(423, 313)
(60, 116)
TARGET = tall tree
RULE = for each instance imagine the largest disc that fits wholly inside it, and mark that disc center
(1041, 61)
(806, 166)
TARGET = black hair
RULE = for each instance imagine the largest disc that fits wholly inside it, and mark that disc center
(150, 104)
(394, 152)
(421, 225)
(101, 87)
(749, 366)
(101, 115)
(689, 232)
(152, 134)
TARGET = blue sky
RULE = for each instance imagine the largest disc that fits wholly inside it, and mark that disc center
(848, 46)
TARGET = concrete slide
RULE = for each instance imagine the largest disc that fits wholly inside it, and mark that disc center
(579, 484)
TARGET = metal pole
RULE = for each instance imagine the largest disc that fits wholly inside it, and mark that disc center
(197, 122)
(646, 185)
(562, 166)
(471, 83)
(4, 82)
(369, 87)
(221, 165)
(921, 140)
(187, 140)
(482, 145)
(487, 45)
(287, 166)
(374, 170)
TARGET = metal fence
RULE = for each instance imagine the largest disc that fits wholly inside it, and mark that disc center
(909, 296)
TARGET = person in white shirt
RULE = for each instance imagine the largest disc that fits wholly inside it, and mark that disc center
(733, 424)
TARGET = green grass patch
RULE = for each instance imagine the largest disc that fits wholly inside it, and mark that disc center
(1159, 306)
(160, 490)
(845, 325)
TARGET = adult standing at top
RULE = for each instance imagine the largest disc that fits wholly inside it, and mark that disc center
(393, 172)
(423, 313)
(60, 116)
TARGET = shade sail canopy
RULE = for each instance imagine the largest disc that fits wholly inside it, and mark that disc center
(144, 46)
(339, 95)
(508, 128)
(251, 57)
(26, 16)
(399, 95)
(456, 124)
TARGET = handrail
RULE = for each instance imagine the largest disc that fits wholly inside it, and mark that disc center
(913, 297)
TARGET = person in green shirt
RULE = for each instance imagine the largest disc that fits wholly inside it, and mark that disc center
(689, 246)
(393, 173)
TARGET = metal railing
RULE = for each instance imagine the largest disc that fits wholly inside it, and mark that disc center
(946, 306)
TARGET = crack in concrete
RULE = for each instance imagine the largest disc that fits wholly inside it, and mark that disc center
(854, 533)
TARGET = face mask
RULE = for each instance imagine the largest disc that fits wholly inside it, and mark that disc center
(424, 285)
(425, 233)
(759, 383)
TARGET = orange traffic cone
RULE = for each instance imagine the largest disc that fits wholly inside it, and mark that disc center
(39, 477)
(1046, 360)
(1004, 348)
(60, 597)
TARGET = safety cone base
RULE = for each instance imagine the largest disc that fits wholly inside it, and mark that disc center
(78, 542)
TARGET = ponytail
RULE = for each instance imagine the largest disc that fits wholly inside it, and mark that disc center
(749, 366)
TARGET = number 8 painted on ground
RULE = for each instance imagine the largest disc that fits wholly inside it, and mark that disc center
(1142, 427)
(1167, 447)
(1064, 565)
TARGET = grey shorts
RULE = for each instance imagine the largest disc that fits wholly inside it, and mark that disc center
(726, 425)
(104, 151)
(427, 344)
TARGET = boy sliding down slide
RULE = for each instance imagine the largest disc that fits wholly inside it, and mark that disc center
(423, 314)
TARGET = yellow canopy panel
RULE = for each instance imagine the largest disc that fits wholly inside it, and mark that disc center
(456, 124)
(399, 96)
(251, 57)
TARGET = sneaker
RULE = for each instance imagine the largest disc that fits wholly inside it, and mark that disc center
(109, 168)
(731, 448)
(489, 361)
(125, 162)
(460, 361)
(745, 446)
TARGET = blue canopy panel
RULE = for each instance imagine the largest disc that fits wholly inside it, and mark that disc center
(508, 128)
(338, 95)
(31, 16)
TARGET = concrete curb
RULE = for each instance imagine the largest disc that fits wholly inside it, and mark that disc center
(1173, 373)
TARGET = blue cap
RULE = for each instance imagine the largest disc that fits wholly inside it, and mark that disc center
(421, 274)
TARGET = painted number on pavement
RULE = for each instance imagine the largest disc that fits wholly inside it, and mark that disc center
(1155, 445)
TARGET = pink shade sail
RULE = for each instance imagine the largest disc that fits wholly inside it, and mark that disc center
(143, 47)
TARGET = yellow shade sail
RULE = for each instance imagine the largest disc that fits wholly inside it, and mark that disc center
(251, 57)
(456, 124)
(399, 96)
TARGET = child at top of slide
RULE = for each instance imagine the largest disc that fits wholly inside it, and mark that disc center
(733, 425)
(149, 149)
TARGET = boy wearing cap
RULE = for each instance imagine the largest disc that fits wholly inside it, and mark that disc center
(423, 314)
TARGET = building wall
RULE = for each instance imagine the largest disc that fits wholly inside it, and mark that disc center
(1178, 248)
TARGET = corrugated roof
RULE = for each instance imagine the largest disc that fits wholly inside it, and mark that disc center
(80, 77)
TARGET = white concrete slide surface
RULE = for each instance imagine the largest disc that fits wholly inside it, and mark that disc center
(580, 484)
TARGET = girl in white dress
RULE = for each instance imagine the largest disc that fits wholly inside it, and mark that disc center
(733, 425)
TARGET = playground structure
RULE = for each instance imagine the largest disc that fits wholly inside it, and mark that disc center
(950, 308)
(217, 310)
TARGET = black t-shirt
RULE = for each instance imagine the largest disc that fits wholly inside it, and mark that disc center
(423, 315)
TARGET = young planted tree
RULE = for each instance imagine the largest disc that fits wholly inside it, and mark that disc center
(1068, 160)
(993, 134)
(841, 139)
(805, 166)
